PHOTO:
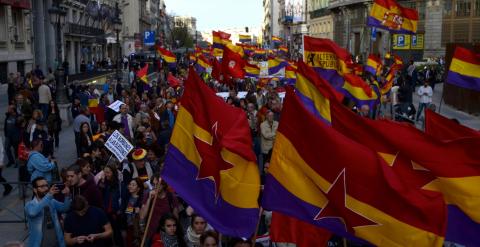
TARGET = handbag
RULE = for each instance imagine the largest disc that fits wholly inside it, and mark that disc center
(23, 151)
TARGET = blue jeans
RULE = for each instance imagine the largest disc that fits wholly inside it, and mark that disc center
(421, 109)
(44, 108)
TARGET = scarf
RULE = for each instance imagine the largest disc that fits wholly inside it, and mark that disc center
(125, 125)
(192, 237)
(169, 241)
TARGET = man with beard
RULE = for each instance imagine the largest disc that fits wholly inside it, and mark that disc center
(42, 214)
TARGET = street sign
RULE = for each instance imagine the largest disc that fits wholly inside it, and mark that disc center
(149, 38)
(401, 41)
(374, 33)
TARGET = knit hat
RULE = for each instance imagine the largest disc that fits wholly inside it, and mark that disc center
(139, 154)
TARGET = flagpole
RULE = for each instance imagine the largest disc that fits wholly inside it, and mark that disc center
(254, 239)
(152, 207)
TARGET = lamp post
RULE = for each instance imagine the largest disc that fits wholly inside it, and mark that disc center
(118, 27)
(57, 19)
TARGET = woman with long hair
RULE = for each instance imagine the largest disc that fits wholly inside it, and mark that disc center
(209, 239)
(54, 122)
(86, 139)
(132, 213)
(114, 195)
(197, 227)
(170, 233)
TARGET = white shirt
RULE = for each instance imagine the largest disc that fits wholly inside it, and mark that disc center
(425, 94)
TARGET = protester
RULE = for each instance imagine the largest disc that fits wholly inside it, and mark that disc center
(209, 239)
(197, 227)
(126, 120)
(7, 187)
(132, 213)
(42, 214)
(166, 202)
(85, 138)
(170, 234)
(81, 186)
(77, 122)
(425, 92)
(44, 98)
(12, 135)
(54, 122)
(141, 167)
(268, 131)
(38, 165)
(114, 198)
(86, 225)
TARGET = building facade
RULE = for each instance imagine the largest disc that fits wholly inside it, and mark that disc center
(319, 19)
(15, 38)
(88, 34)
(271, 20)
(440, 22)
(137, 19)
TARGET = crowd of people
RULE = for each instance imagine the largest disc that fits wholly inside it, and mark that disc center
(101, 201)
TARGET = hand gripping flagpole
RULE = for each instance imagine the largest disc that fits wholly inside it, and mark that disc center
(151, 207)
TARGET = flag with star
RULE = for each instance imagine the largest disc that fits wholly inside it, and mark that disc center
(210, 162)
(449, 167)
(324, 178)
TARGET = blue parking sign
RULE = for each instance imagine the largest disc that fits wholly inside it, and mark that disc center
(400, 41)
(149, 38)
(414, 40)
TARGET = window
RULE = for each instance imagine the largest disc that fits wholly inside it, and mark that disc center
(3, 24)
(463, 8)
(17, 17)
(421, 10)
(74, 16)
(447, 8)
(477, 8)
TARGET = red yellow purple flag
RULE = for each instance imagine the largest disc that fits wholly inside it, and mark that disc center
(465, 69)
(390, 15)
(448, 167)
(142, 73)
(445, 129)
(210, 162)
(324, 178)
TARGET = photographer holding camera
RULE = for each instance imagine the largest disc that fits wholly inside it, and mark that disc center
(42, 214)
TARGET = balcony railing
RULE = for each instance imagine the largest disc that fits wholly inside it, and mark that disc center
(319, 13)
(82, 30)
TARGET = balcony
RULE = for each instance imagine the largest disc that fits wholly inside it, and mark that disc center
(319, 13)
(82, 30)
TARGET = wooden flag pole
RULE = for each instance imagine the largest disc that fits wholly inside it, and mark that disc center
(254, 239)
(152, 207)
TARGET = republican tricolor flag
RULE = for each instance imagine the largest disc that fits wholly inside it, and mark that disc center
(374, 65)
(465, 69)
(210, 161)
(390, 15)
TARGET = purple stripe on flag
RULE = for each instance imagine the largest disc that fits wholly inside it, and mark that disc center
(217, 45)
(199, 68)
(172, 65)
(376, 23)
(370, 69)
(330, 75)
(463, 81)
(357, 101)
(308, 103)
(461, 229)
(277, 198)
(181, 174)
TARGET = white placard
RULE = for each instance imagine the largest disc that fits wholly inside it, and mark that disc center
(116, 105)
(119, 145)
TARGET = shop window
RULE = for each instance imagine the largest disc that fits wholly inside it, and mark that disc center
(463, 8)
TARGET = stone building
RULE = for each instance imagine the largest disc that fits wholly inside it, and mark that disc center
(271, 20)
(351, 31)
(88, 24)
(319, 19)
(15, 38)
